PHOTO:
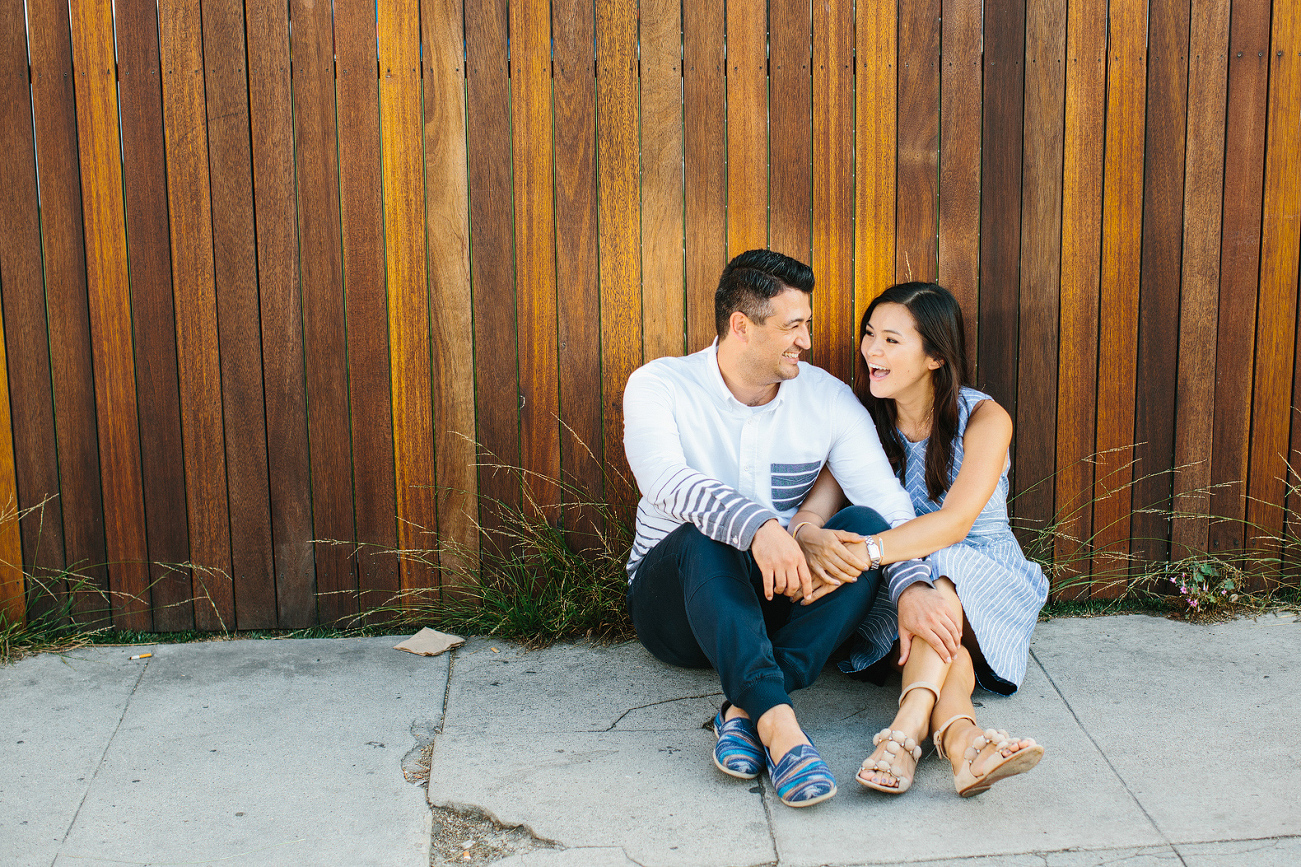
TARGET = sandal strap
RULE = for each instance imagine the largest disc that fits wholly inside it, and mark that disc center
(920, 684)
(939, 732)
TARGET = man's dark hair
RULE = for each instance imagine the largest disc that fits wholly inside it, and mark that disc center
(752, 280)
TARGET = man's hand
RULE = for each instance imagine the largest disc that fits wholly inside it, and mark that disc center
(834, 556)
(781, 561)
(923, 614)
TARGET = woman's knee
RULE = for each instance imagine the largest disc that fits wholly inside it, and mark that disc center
(949, 593)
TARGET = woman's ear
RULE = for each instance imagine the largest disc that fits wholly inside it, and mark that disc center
(933, 363)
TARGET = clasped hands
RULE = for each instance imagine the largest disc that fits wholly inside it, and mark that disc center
(822, 560)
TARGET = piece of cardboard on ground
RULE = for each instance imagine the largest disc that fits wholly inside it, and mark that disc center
(430, 642)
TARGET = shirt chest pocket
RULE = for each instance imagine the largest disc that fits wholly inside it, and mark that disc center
(791, 483)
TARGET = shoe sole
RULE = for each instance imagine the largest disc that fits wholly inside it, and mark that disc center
(1017, 764)
(732, 773)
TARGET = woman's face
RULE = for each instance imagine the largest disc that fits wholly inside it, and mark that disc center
(897, 364)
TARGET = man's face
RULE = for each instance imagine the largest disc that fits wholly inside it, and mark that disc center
(773, 348)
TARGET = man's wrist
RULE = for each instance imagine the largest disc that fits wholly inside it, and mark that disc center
(906, 574)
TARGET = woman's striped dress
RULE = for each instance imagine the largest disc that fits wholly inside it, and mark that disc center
(1001, 591)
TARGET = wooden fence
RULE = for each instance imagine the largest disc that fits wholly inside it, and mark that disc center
(271, 270)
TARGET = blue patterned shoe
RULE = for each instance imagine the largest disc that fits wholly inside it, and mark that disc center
(738, 751)
(801, 778)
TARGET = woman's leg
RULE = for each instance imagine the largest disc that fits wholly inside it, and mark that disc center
(917, 707)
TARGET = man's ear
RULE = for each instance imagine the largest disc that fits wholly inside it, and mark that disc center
(738, 325)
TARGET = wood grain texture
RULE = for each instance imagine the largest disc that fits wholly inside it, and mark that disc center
(1162, 248)
(199, 368)
(833, 331)
(495, 360)
(288, 467)
(1276, 308)
(747, 125)
(451, 328)
(407, 280)
(1122, 228)
(1244, 177)
(992, 341)
(71, 363)
(27, 353)
(535, 256)
(705, 167)
(153, 316)
(790, 128)
(1208, 67)
(971, 175)
(663, 240)
(13, 583)
(876, 104)
(109, 299)
(918, 131)
(1041, 268)
(619, 236)
(325, 347)
(1082, 161)
(581, 449)
(362, 221)
(230, 164)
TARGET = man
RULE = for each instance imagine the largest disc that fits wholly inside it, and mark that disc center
(725, 444)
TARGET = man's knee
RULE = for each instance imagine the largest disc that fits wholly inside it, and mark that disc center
(862, 520)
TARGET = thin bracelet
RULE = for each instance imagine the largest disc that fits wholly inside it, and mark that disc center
(795, 534)
(880, 547)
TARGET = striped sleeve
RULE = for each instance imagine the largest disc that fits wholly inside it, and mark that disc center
(902, 575)
(718, 511)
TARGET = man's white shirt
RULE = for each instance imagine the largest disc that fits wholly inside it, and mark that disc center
(701, 456)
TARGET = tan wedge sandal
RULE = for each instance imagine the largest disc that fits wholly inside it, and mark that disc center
(898, 747)
(995, 740)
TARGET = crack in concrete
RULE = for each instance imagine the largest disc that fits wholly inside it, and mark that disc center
(488, 838)
(103, 756)
(1123, 782)
(619, 719)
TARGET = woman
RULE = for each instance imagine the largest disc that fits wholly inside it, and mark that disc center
(949, 444)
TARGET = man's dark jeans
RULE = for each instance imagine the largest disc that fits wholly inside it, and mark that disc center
(697, 603)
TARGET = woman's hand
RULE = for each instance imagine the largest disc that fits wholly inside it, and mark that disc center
(834, 556)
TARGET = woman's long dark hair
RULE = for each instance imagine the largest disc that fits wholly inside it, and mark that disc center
(939, 321)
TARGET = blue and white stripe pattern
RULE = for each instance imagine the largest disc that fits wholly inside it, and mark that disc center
(1001, 591)
(791, 483)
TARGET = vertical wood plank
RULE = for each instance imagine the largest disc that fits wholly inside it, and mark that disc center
(833, 184)
(27, 351)
(918, 125)
(1041, 269)
(63, 242)
(1122, 228)
(962, 175)
(406, 277)
(199, 369)
(535, 254)
(19, 269)
(1276, 308)
(662, 228)
(153, 316)
(235, 266)
(288, 467)
(747, 125)
(992, 338)
(324, 344)
(1244, 178)
(362, 220)
(1082, 159)
(1162, 236)
(790, 123)
(619, 231)
(448, 237)
(495, 362)
(705, 169)
(581, 449)
(110, 317)
(876, 101)
(1208, 67)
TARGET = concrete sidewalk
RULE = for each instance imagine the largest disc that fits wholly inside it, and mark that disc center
(1168, 743)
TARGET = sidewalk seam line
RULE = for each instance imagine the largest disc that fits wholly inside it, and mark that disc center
(1165, 837)
(104, 755)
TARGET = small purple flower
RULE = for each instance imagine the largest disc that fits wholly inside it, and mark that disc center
(1183, 590)
(1192, 602)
